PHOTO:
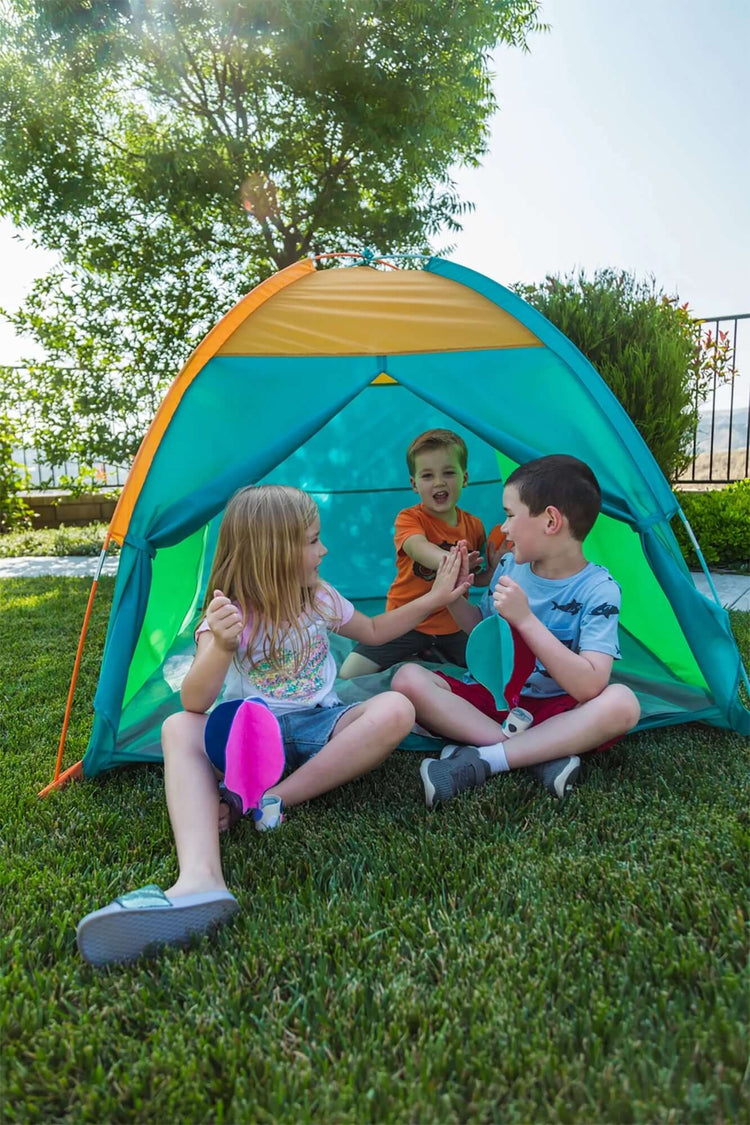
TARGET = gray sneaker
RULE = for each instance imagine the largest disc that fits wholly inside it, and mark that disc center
(449, 750)
(444, 778)
(558, 776)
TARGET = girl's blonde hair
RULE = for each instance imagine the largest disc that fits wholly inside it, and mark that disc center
(258, 563)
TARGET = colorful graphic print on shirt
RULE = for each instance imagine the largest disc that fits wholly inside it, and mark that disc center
(284, 683)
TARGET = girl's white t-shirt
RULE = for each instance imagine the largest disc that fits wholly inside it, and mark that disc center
(312, 685)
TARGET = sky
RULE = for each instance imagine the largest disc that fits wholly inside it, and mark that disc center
(622, 140)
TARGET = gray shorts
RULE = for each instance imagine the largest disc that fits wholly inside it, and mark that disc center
(305, 733)
(413, 645)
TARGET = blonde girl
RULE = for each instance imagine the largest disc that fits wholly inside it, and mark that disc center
(264, 635)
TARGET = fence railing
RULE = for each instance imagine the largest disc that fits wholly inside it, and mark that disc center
(720, 450)
(721, 442)
(42, 476)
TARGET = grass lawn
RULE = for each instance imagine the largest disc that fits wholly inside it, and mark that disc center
(502, 960)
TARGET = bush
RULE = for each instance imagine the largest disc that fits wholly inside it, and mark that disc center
(651, 352)
(14, 511)
(721, 523)
(56, 541)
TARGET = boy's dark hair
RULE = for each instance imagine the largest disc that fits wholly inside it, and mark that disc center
(436, 439)
(563, 482)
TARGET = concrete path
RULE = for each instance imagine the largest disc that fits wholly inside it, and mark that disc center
(733, 589)
(60, 566)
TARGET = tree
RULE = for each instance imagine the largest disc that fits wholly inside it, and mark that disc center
(175, 153)
(647, 347)
(15, 513)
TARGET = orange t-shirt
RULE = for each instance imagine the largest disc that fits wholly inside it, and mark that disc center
(412, 579)
(498, 538)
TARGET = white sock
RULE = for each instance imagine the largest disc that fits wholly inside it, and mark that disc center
(495, 758)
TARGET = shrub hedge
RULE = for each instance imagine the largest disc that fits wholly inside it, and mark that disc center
(654, 356)
(55, 541)
(720, 520)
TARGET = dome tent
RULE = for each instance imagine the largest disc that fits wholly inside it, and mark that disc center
(320, 378)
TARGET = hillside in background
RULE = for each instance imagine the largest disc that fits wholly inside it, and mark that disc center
(719, 466)
(721, 430)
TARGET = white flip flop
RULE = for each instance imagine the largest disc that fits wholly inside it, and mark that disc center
(126, 928)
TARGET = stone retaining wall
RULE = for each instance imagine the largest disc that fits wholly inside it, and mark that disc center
(54, 508)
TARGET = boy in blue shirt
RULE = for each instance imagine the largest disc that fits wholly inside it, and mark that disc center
(563, 611)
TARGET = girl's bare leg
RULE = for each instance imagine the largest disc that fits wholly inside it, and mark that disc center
(361, 740)
(193, 802)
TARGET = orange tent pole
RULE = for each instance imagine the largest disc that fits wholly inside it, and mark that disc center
(71, 774)
(59, 779)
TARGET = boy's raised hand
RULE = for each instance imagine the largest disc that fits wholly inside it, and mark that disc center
(510, 601)
(452, 579)
(494, 554)
(225, 621)
(467, 565)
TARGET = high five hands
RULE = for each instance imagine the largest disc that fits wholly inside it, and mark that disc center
(452, 578)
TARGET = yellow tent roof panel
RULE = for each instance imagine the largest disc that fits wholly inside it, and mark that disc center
(364, 311)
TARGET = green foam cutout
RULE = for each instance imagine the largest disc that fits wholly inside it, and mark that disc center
(489, 656)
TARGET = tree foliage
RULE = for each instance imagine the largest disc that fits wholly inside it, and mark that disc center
(653, 354)
(175, 152)
(15, 513)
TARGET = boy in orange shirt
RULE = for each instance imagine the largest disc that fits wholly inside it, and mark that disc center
(437, 470)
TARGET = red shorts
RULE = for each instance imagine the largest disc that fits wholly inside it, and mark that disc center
(541, 708)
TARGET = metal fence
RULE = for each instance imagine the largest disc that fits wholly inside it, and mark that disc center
(41, 476)
(721, 442)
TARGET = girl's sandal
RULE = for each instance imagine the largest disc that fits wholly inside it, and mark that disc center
(137, 922)
(233, 801)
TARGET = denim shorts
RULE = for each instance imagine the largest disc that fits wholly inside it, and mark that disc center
(305, 733)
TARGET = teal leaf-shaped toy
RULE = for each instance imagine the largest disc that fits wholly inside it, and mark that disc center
(489, 656)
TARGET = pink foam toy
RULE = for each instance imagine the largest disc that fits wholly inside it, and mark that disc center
(254, 753)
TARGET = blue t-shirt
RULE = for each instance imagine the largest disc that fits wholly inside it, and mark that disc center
(581, 611)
